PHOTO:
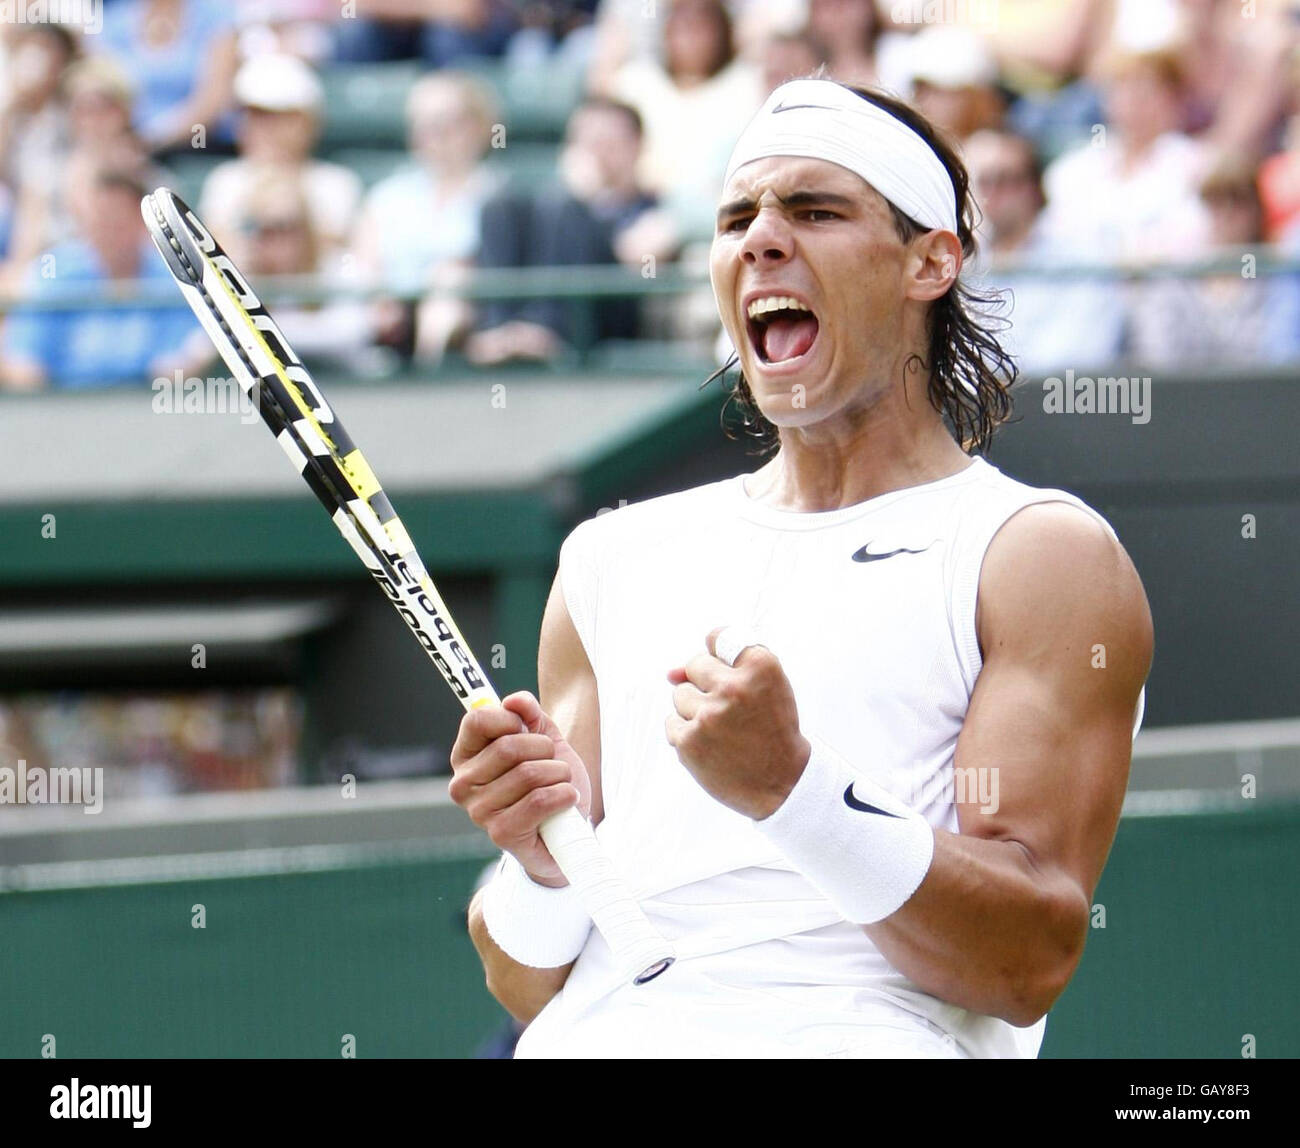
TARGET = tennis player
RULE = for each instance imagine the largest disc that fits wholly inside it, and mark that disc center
(856, 726)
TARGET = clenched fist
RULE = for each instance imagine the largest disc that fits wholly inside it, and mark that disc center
(736, 728)
(513, 769)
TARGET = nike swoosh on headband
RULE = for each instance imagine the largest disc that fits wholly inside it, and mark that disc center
(853, 803)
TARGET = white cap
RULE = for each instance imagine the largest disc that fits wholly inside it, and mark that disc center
(946, 56)
(278, 82)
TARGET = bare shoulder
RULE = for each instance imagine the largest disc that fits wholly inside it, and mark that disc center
(1055, 578)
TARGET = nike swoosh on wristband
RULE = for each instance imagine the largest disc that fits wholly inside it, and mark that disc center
(853, 803)
(864, 555)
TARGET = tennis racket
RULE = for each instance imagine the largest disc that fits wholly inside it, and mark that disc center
(309, 432)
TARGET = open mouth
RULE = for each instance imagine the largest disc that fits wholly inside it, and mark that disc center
(781, 328)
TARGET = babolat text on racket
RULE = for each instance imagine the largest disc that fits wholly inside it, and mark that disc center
(309, 432)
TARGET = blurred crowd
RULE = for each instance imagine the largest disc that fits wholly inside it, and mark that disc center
(1103, 138)
(157, 744)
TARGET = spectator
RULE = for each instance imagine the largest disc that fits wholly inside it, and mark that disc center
(599, 215)
(1043, 45)
(693, 105)
(275, 236)
(98, 346)
(558, 29)
(443, 33)
(954, 80)
(302, 28)
(1131, 192)
(33, 116)
(1231, 317)
(421, 224)
(624, 30)
(1279, 185)
(788, 56)
(181, 54)
(1055, 321)
(1279, 175)
(280, 101)
(847, 31)
(1234, 63)
(1237, 71)
(99, 100)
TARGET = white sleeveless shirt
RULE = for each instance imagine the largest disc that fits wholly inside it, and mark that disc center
(882, 655)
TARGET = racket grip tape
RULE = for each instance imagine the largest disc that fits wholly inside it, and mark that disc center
(642, 954)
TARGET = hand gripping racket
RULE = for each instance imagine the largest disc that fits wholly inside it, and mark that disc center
(311, 435)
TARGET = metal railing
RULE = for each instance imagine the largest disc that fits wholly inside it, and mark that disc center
(594, 282)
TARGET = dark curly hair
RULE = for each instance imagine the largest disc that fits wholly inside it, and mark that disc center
(970, 371)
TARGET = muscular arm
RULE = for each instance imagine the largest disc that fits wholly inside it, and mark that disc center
(998, 925)
(567, 692)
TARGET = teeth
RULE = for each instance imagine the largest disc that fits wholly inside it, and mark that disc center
(774, 303)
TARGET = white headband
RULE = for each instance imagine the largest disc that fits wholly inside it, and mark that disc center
(822, 119)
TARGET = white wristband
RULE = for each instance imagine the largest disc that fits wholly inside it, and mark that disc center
(533, 924)
(863, 848)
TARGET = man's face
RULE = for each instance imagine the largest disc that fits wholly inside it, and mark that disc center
(1002, 176)
(110, 217)
(610, 140)
(813, 232)
(445, 131)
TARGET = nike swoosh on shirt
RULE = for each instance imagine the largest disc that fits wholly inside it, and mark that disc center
(864, 555)
(853, 803)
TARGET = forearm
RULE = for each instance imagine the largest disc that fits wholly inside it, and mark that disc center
(209, 100)
(976, 921)
(988, 929)
(522, 991)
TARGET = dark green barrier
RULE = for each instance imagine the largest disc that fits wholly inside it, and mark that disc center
(285, 967)
(1199, 949)
(1200, 944)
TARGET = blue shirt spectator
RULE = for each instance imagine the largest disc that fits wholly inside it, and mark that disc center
(181, 80)
(80, 349)
(414, 238)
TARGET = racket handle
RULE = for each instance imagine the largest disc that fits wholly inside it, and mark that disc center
(642, 954)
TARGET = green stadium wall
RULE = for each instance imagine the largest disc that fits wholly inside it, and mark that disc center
(1197, 952)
